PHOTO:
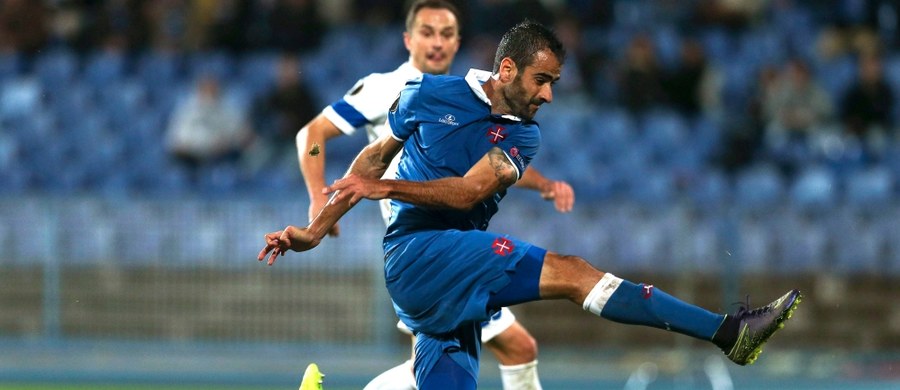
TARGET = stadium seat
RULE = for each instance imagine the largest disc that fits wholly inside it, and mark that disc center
(104, 68)
(19, 97)
(871, 189)
(56, 68)
(217, 64)
(708, 189)
(858, 244)
(653, 187)
(814, 189)
(758, 187)
(157, 69)
(10, 66)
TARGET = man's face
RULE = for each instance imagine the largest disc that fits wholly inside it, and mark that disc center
(433, 40)
(533, 85)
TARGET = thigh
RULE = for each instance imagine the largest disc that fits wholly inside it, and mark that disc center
(439, 280)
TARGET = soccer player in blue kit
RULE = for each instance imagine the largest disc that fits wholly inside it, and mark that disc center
(432, 39)
(465, 141)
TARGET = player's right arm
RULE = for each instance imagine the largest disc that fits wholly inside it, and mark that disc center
(369, 166)
(311, 146)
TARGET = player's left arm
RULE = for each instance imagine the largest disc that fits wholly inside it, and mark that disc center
(560, 192)
(491, 174)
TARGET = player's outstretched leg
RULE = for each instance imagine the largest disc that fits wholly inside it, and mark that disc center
(312, 378)
(741, 335)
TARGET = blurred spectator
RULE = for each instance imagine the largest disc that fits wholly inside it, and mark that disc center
(24, 26)
(281, 113)
(693, 86)
(89, 25)
(866, 106)
(206, 130)
(236, 25)
(733, 14)
(640, 77)
(796, 110)
(494, 17)
(296, 26)
(745, 129)
(167, 23)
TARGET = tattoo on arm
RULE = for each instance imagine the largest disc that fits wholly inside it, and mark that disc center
(503, 170)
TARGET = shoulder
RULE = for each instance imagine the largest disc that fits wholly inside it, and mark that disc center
(378, 85)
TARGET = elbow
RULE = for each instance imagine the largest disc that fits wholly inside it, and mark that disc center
(472, 197)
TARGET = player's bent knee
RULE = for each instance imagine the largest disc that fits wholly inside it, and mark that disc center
(567, 276)
(514, 346)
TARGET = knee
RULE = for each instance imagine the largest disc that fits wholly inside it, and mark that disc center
(566, 276)
(514, 346)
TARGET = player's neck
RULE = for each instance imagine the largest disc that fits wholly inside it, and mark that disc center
(488, 87)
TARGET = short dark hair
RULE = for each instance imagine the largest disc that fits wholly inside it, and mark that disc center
(521, 42)
(435, 4)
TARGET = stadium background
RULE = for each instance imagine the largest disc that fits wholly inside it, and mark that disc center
(119, 267)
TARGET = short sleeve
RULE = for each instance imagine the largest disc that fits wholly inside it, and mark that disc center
(521, 144)
(402, 114)
(364, 104)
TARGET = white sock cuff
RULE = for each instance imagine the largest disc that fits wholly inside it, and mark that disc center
(519, 367)
(601, 292)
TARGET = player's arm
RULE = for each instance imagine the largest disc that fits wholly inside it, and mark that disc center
(492, 174)
(558, 191)
(368, 167)
(311, 143)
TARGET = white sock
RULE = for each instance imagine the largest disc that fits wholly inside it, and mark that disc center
(398, 378)
(520, 376)
(601, 292)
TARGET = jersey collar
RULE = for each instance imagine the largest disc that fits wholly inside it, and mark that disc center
(475, 78)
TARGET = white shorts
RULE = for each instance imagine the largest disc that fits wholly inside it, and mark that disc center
(501, 321)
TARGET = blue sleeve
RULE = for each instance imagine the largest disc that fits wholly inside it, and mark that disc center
(349, 113)
(402, 115)
(521, 145)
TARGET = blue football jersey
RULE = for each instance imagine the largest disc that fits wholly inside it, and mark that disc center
(446, 125)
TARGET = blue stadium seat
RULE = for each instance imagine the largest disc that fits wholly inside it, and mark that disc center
(814, 189)
(10, 66)
(758, 187)
(218, 64)
(258, 71)
(858, 244)
(836, 76)
(19, 97)
(665, 132)
(708, 189)
(762, 46)
(104, 68)
(654, 187)
(56, 68)
(871, 189)
(157, 69)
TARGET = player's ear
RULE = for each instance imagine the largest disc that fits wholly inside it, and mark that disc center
(406, 38)
(507, 70)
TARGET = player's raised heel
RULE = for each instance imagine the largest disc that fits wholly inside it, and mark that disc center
(758, 325)
(312, 378)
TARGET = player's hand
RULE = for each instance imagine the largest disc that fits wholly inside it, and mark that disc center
(315, 207)
(354, 188)
(561, 194)
(292, 237)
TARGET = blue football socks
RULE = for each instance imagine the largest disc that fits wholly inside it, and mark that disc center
(641, 304)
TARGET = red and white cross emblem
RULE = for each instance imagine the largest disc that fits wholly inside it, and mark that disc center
(496, 134)
(647, 291)
(503, 246)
